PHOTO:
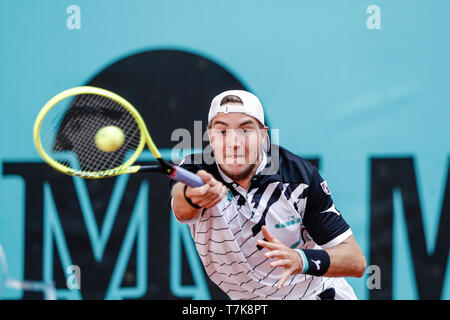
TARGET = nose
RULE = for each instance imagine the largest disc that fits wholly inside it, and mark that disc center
(235, 139)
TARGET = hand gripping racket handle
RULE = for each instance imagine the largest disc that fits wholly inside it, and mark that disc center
(186, 177)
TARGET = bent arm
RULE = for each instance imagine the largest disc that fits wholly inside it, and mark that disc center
(346, 260)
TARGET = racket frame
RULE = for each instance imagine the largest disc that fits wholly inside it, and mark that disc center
(127, 166)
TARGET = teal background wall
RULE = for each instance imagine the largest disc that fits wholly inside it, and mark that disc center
(335, 90)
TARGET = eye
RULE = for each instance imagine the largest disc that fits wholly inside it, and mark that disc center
(221, 132)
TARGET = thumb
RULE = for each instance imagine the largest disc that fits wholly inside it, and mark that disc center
(268, 235)
(207, 178)
(286, 273)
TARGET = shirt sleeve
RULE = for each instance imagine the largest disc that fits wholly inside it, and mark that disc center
(322, 220)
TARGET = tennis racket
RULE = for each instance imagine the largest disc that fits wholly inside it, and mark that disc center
(94, 133)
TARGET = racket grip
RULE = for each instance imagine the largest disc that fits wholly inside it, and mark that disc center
(186, 177)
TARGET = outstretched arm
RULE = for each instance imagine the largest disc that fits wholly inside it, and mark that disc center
(206, 196)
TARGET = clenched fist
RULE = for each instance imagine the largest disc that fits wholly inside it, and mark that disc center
(208, 195)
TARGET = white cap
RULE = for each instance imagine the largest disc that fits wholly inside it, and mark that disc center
(251, 105)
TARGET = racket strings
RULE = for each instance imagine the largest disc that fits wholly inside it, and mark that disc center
(72, 126)
(87, 148)
(132, 132)
(84, 139)
(107, 159)
(76, 128)
(112, 111)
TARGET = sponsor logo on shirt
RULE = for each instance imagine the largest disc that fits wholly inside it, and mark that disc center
(325, 188)
(288, 223)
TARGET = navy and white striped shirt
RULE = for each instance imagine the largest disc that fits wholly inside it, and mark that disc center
(295, 205)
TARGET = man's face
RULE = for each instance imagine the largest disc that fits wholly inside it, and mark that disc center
(236, 139)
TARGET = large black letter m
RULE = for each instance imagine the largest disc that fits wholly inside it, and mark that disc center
(390, 176)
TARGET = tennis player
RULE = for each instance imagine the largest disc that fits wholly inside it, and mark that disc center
(264, 224)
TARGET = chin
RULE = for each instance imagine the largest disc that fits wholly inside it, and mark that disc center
(237, 171)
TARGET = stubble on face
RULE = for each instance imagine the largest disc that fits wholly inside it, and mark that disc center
(242, 160)
(242, 174)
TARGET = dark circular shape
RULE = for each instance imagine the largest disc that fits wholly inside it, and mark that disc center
(170, 88)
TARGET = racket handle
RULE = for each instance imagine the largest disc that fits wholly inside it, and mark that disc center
(186, 177)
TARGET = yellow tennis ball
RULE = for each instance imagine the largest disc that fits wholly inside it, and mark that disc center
(109, 138)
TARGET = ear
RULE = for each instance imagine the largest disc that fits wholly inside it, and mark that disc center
(264, 132)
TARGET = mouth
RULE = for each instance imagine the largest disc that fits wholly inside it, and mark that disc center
(237, 171)
(235, 159)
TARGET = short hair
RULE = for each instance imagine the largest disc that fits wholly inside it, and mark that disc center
(236, 100)
(231, 99)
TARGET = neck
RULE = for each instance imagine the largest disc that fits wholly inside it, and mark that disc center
(245, 183)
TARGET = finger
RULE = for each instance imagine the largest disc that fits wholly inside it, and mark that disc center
(275, 254)
(206, 197)
(281, 262)
(268, 235)
(211, 201)
(216, 190)
(198, 191)
(207, 177)
(284, 276)
(268, 245)
(213, 196)
(213, 193)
